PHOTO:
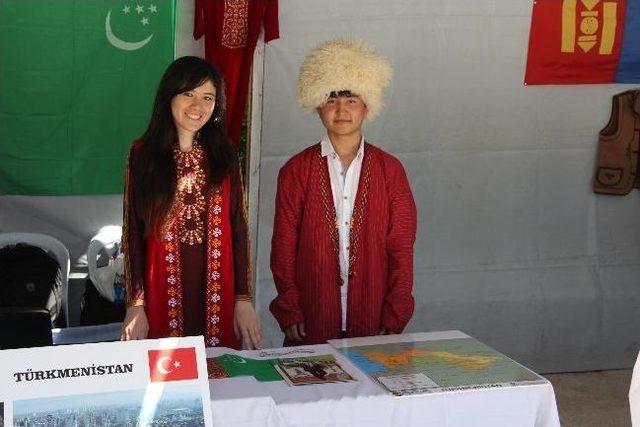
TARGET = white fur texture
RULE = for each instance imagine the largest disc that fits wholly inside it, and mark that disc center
(342, 64)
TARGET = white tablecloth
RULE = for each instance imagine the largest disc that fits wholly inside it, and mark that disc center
(243, 401)
(634, 394)
(86, 334)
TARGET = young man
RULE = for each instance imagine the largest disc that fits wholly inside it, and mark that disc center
(345, 221)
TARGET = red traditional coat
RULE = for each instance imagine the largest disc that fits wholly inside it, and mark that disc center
(189, 289)
(304, 248)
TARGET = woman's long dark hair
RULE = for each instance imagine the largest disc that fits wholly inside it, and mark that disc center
(155, 168)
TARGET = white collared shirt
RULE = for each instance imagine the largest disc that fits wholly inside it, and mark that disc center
(344, 186)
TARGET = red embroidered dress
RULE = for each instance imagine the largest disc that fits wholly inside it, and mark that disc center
(231, 29)
(189, 276)
(304, 248)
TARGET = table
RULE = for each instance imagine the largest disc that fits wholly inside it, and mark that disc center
(634, 394)
(86, 334)
(243, 401)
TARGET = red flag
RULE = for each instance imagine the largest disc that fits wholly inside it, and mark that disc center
(175, 364)
(575, 41)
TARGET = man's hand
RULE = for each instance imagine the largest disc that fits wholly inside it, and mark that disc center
(135, 325)
(295, 332)
(246, 325)
(385, 331)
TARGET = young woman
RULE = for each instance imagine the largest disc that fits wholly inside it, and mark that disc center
(185, 231)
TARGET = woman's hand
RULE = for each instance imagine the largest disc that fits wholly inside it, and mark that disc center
(246, 325)
(135, 325)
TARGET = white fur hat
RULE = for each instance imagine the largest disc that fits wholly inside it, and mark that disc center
(341, 64)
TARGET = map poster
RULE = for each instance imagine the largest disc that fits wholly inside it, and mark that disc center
(132, 383)
(434, 362)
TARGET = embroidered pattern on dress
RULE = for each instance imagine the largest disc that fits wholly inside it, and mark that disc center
(174, 284)
(189, 205)
(235, 25)
(214, 246)
(171, 241)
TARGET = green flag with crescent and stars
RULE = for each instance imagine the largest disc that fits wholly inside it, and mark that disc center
(77, 86)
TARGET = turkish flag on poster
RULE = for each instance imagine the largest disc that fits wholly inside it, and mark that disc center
(575, 41)
(174, 364)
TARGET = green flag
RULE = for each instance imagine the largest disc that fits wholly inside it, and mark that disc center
(77, 86)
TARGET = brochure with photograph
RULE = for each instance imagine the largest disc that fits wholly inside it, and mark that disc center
(312, 370)
(144, 383)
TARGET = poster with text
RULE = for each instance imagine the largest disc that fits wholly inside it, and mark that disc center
(141, 383)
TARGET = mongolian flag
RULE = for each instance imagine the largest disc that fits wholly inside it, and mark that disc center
(77, 83)
(584, 41)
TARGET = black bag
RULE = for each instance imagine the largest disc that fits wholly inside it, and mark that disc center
(34, 330)
(29, 277)
(97, 310)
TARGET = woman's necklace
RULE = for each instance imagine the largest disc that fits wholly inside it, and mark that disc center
(190, 201)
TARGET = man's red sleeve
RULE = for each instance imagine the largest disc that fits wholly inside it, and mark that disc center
(286, 226)
(398, 306)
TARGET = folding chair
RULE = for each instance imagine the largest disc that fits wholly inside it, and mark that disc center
(53, 247)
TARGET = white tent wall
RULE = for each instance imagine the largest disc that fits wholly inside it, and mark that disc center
(513, 247)
(71, 219)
